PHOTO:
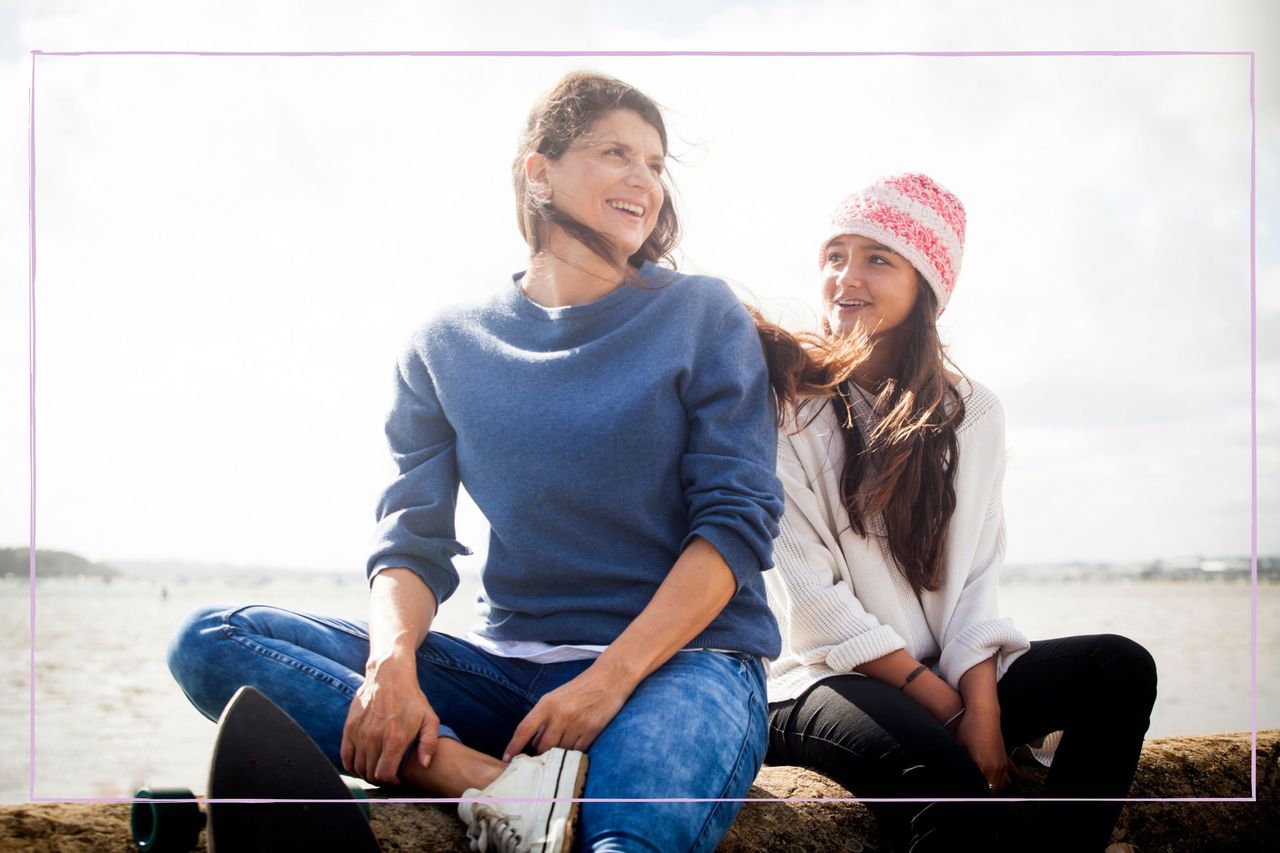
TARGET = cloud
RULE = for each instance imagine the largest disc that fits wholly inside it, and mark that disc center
(232, 250)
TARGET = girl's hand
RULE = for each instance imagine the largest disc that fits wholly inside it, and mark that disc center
(389, 711)
(571, 716)
(979, 733)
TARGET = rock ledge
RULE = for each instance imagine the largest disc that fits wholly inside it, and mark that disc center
(1201, 766)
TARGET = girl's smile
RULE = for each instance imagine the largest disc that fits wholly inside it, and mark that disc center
(867, 284)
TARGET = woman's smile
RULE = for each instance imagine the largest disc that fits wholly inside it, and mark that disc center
(610, 179)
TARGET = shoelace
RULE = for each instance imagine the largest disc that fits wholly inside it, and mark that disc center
(491, 829)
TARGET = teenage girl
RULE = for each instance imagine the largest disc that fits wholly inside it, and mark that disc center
(897, 677)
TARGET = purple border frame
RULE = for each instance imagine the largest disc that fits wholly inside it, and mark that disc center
(1253, 377)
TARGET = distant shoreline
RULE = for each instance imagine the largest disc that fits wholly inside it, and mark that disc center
(14, 562)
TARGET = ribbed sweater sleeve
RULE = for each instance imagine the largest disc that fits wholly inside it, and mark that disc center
(727, 470)
(842, 601)
(415, 527)
(975, 630)
(823, 619)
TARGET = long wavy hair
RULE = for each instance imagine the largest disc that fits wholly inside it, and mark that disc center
(903, 468)
(571, 108)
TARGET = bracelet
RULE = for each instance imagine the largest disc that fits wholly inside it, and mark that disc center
(957, 715)
(921, 668)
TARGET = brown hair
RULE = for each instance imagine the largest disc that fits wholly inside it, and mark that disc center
(904, 470)
(570, 109)
(805, 367)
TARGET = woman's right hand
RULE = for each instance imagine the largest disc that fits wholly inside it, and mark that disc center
(388, 712)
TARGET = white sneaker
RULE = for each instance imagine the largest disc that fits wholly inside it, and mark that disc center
(555, 777)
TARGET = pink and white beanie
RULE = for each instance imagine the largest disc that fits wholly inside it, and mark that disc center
(917, 218)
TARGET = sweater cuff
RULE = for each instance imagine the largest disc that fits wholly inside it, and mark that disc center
(740, 556)
(441, 581)
(978, 642)
(867, 646)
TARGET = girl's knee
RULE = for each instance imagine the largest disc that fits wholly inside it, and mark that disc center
(1131, 665)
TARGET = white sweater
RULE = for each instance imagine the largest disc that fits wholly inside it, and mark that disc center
(841, 600)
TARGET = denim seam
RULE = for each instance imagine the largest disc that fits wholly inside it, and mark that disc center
(535, 692)
(533, 685)
(327, 621)
(319, 675)
(456, 666)
(753, 704)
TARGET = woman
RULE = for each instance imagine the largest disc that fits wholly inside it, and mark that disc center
(612, 420)
(897, 676)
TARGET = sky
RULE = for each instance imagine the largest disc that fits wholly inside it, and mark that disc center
(232, 250)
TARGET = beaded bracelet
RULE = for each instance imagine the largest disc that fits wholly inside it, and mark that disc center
(921, 668)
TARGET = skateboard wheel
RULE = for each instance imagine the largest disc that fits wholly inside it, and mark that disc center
(160, 826)
(361, 798)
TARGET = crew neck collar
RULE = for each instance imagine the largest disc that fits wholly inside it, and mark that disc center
(619, 295)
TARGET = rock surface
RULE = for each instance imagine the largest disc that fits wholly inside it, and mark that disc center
(1205, 766)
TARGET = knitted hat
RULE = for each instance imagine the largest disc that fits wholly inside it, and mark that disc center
(917, 218)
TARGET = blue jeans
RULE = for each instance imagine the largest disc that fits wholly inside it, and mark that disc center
(695, 728)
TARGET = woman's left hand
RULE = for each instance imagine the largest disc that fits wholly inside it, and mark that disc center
(573, 715)
(979, 734)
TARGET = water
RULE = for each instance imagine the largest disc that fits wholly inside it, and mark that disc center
(110, 719)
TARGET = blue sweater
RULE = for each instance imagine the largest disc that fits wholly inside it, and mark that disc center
(597, 440)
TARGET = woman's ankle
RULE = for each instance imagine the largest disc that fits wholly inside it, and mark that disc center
(454, 768)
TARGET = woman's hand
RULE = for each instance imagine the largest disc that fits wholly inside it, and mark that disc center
(389, 711)
(979, 731)
(573, 715)
(979, 734)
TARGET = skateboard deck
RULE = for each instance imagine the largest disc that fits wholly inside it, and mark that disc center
(261, 753)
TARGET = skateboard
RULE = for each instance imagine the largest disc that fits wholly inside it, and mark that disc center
(260, 753)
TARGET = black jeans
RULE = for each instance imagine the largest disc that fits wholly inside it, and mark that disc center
(878, 742)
